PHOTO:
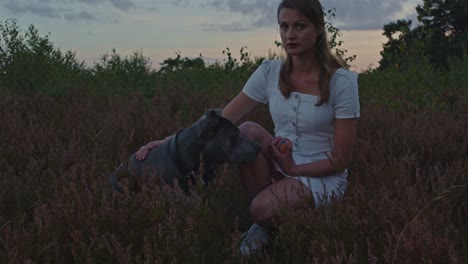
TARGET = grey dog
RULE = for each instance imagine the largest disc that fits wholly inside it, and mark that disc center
(212, 140)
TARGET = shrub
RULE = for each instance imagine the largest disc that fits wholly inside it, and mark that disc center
(31, 63)
(114, 73)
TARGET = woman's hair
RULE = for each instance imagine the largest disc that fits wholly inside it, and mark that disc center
(313, 11)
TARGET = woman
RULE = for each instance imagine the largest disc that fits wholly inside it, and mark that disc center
(314, 104)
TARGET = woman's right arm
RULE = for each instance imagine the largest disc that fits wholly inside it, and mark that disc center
(234, 111)
(142, 152)
(239, 107)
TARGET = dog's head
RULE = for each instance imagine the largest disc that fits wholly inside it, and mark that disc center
(222, 140)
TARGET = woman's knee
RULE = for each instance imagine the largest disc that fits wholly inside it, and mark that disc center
(255, 132)
(249, 129)
(262, 211)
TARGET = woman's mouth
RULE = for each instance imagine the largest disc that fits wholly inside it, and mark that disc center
(292, 45)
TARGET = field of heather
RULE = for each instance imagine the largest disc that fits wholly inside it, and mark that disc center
(406, 201)
(65, 126)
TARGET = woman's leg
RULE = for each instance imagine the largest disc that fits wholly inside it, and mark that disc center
(266, 188)
(286, 193)
(256, 176)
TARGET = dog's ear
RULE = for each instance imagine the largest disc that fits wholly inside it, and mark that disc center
(218, 111)
(209, 124)
(211, 113)
(214, 112)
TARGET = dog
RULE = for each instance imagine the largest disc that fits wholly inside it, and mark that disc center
(213, 140)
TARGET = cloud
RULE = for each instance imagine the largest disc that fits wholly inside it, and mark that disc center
(244, 6)
(71, 10)
(257, 13)
(181, 2)
(123, 5)
(83, 15)
(233, 27)
(350, 14)
(43, 11)
(368, 14)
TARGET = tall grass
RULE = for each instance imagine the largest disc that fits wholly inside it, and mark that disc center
(405, 202)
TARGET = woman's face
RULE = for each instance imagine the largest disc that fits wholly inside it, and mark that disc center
(298, 34)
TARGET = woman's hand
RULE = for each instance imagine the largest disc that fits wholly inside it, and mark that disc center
(281, 150)
(143, 151)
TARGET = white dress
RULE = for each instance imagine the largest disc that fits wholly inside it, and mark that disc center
(309, 127)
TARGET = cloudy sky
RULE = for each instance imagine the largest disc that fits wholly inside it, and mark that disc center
(160, 28)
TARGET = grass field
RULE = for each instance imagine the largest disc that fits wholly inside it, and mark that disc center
(406, 201)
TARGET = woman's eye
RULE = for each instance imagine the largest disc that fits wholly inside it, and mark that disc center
(283, 27)
(300, 27)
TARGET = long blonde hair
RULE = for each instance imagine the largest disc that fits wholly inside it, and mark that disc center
(313, 10)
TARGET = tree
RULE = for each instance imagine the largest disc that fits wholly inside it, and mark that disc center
(440, 34)
(400, 46)
(334, 34)
(179, 63)
(31, 62)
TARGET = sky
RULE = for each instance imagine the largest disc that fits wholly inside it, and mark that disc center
(161, 28)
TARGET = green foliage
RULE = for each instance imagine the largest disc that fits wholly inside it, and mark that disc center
(440, 35)
(421, 86)
(406, 48)
(231, 63)
(123, 74)
(445, 23)
(224, 78)
(31, 63)
(334, 42)
(126, 75)
(177, 64)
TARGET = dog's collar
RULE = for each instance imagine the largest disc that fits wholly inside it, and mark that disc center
(181, 165)
(189, 173)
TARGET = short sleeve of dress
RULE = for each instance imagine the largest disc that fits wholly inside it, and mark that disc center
(346, 94)
(256, 86)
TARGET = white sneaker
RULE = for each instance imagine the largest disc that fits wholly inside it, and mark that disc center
(253, 240)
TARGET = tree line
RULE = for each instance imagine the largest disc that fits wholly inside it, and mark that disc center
(29, 61)
(440, 36)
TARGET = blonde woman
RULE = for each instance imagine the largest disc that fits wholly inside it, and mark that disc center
(313, 100)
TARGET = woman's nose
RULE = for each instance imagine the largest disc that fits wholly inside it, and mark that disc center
(291, 33)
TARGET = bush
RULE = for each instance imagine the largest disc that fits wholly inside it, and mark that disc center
(31, 63)
(418, 87)
(114, 73)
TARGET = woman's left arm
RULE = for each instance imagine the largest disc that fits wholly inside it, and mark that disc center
(345, 135)
(338, 160)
